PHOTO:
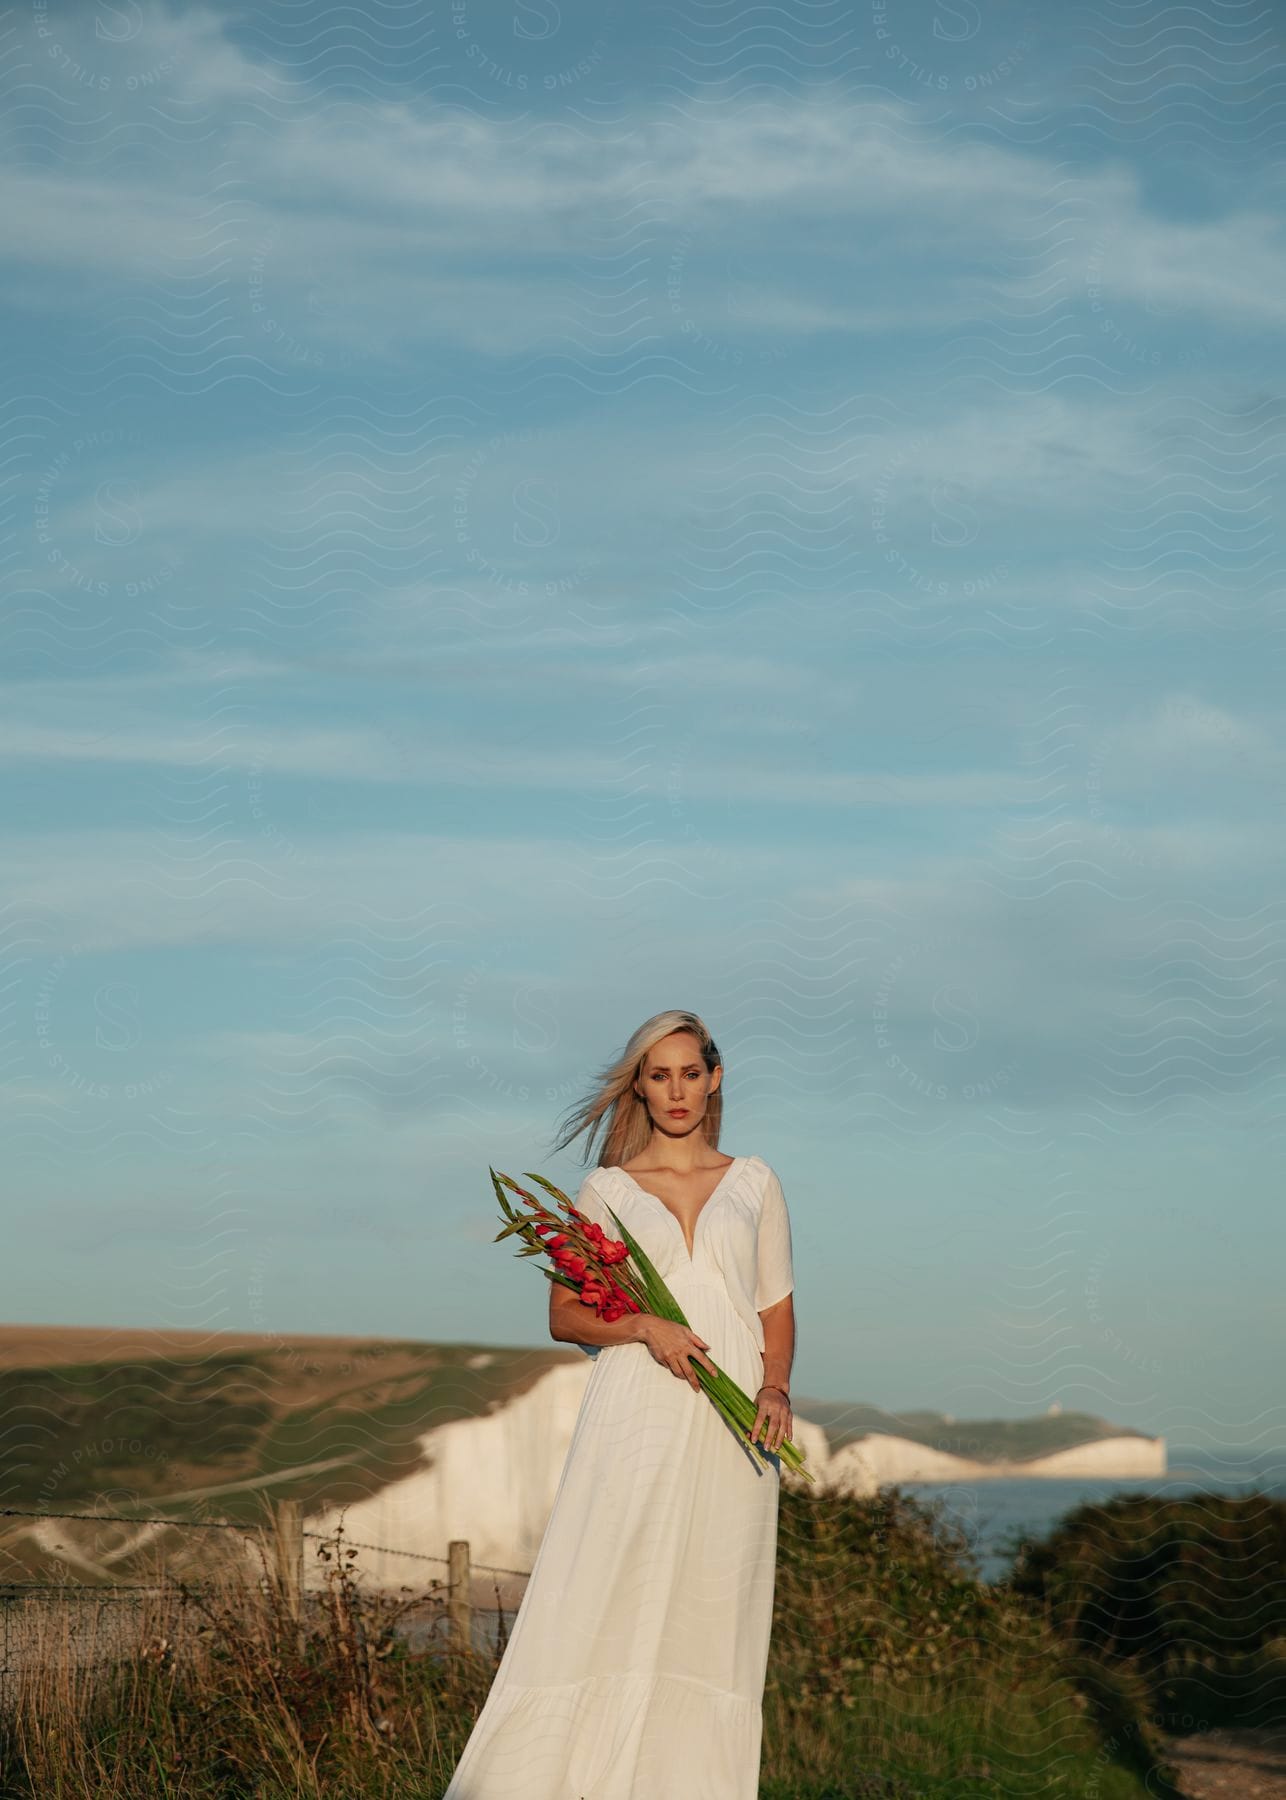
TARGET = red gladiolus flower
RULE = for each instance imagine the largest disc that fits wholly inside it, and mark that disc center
(584, 1255)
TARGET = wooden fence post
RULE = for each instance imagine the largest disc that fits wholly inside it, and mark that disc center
(288, 1541)
(459, 1608)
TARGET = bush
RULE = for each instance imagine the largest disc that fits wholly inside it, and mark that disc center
(894, 1671)
(1190, 1592)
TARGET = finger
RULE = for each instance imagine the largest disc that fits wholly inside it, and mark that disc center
(772, 1432)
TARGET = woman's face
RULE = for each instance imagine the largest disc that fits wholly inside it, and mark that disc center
(676, 1083)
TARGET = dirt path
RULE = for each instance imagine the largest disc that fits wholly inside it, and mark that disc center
(1231, 1764)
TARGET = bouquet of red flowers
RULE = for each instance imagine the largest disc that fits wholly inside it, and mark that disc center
(616, 1277)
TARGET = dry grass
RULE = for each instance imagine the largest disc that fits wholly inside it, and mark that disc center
(218, 1690)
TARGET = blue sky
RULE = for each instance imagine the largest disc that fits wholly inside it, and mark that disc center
(520, 517)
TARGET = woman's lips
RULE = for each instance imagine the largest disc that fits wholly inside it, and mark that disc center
(678, 1112)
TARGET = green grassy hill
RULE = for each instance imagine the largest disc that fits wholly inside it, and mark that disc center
(199, 1425)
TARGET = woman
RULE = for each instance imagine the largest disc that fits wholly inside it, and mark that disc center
(636, 1666)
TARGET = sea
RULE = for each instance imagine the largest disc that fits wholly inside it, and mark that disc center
(993, 1515)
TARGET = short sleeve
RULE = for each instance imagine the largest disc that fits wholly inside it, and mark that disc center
(776, 1276)
(589, 1201)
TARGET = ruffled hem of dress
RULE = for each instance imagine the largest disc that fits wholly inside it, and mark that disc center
(617, 1736)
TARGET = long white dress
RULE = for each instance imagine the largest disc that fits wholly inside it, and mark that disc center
(635, 1669)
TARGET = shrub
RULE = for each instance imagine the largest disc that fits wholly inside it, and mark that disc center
(893, 1664)
(1190, 1591)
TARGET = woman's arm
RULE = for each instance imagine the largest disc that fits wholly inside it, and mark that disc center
(572, 1323)
(779, 1342)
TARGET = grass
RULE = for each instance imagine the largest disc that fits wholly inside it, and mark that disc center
(218, 1691)
(894, 1673)
(149, 1430)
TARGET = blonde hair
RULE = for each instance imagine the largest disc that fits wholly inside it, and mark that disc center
(629, 1126)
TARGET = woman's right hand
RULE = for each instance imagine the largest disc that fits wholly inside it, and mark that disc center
(675, 1347)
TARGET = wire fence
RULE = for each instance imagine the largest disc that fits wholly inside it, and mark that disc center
(98, 1518)
(79, 1624)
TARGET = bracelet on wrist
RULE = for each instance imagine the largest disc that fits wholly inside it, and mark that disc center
(772, 1388)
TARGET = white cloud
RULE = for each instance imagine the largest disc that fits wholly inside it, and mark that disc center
(454, 756)
(1218, 270)
(128, 888)
(397, 212)
(1183, 732)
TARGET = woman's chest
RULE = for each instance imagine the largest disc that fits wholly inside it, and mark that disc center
(724, 1234)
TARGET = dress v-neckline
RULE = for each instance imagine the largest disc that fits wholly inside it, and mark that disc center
(709, 1201)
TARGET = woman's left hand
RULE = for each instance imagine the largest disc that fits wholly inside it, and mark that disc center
(774, 1419)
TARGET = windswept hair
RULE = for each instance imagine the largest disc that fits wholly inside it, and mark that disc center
(628, 1126)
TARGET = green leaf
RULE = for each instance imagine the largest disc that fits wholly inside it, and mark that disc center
(555, 1192)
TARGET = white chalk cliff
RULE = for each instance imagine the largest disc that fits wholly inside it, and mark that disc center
(492, 1480)
(860, 1468)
